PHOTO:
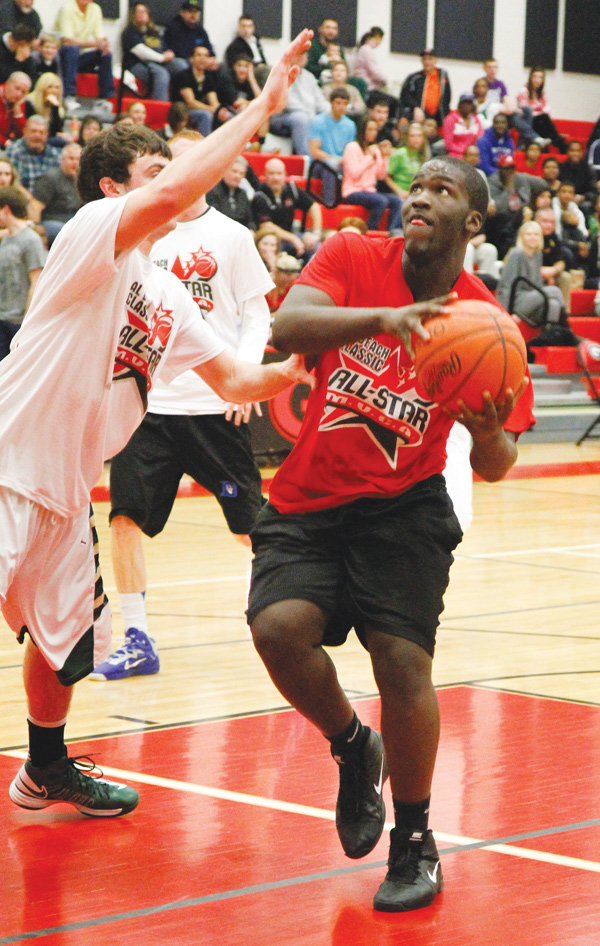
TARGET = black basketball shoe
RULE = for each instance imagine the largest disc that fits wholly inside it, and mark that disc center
(64, 781)
(360, 809)
(414, 876)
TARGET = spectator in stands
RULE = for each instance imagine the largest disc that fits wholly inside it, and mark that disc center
(16, 50)
(461, 126)
(404, 162)
(328, 134)
(318, 56)
(485, 108)
(89, 128)
(530, 160)
(16, 12)
(244, 88)
(138, 112)
(566, 209)
(47, 55)
(145, 54)
(305, 101)
(510, 194)
(557, 260)
(576, 171)
(46, 100)
(426, 94)
(247, 42)
(184, 31)
(276, 202)
(56, 198)
(268, 244)
(230, 198)
(498, 100)
(364, 166)
(366, 66)
(551, 174)
(31, 155)
(287, 268)
(532, 96)
(178, 118)
(85, 48)
(22, 257)
(592, 267)
(12, 107)
(540, 303)
(494, 143)
(434, 139)
(339, 80)
(378, 109)
(10, 178)
(201, 90)
(354, 224)
(472, 156)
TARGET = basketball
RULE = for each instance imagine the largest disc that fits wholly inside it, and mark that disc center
(475, 349)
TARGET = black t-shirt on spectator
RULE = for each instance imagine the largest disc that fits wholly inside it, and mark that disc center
(200, 90)
(266, 207)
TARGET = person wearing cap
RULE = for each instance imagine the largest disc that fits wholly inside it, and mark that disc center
(184, 31)
(462, 127)
(426, 94)
(494, 143)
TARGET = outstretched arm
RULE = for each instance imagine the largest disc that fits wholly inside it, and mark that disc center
(310, 322)
(198, 170)
(239, 381)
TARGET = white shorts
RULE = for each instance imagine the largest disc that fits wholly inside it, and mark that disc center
(51, 586)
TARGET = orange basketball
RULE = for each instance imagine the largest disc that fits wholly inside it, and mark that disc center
(477, 348)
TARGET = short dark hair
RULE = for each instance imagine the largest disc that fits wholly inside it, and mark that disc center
(549, 159)
(23, 33)
(111, 153)
(475, 186)
(339, 94)
(377, 98)
(15, 201)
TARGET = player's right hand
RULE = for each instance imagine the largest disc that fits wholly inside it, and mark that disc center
(408, 320)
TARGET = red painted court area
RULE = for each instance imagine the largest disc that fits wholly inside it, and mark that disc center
(234, 843)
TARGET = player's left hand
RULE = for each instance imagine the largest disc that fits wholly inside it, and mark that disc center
(242, 412)
(485, 425)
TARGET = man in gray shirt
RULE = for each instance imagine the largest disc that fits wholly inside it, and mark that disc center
(56, 198)
(22, 257)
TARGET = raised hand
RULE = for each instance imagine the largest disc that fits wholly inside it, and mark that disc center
(284, 72)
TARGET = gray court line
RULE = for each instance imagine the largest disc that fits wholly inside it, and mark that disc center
(275, 885)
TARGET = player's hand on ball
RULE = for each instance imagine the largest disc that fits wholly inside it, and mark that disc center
(409, 319)
(486, 424)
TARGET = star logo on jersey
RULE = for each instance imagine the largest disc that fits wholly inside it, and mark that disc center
(201, 263)
(380, 398)
(160, 325)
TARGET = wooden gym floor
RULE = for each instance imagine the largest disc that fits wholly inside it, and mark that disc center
(233, 840)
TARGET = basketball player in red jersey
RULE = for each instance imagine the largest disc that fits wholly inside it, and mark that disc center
(359, 531)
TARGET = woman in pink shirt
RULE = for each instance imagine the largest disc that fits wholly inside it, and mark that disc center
(364, 165)
(366, 66)
(532, 98)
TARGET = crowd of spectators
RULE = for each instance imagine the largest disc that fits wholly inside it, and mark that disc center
(365, 143)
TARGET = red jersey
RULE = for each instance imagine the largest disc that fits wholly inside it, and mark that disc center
(366, 431)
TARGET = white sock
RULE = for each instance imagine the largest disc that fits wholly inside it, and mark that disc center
(133, 611)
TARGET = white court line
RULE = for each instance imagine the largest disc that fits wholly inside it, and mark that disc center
(291, 808)
(192, 581)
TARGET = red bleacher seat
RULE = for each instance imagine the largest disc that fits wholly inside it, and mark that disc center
(572, 129)
(294, 163)
(585, 326)
(582, 301)
(558, 360)
(156, 112)
(87, 85)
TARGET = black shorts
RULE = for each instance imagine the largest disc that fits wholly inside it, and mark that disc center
(377, 564)
(145, 475)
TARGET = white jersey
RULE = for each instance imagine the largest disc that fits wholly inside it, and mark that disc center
(217, 263)
(96, 336)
